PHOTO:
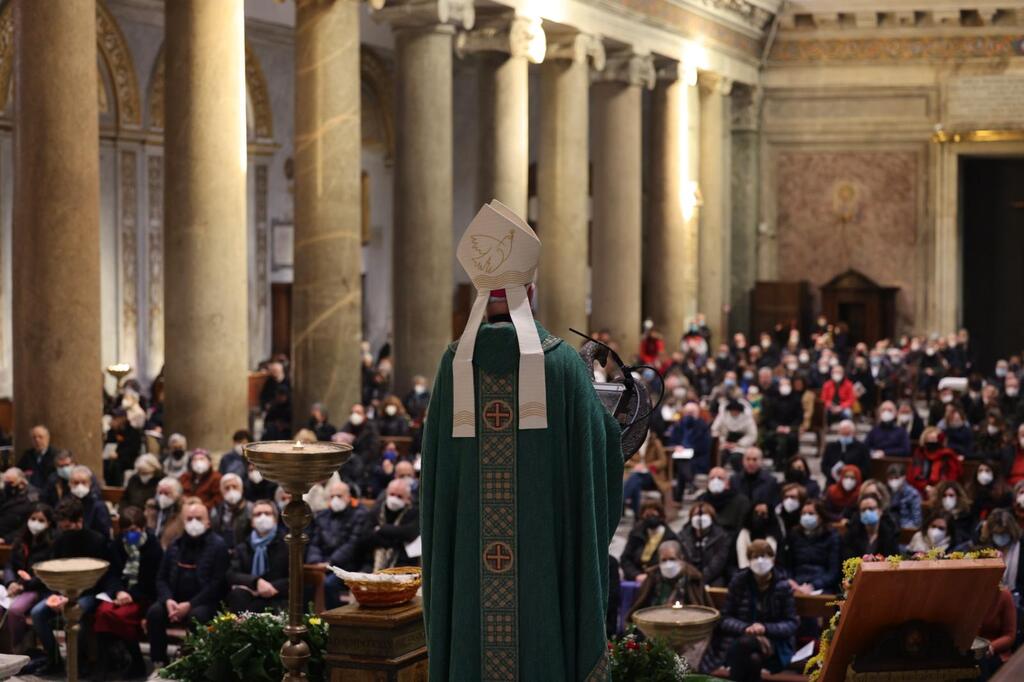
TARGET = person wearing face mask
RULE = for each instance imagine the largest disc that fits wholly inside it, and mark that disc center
(1011, 402)
(871, 531)
(798, 471)
(94, 509)
(365, 446)
(202, 480)
(396, 524)
(56, 487)
(141, 485)
(904, 500)
(319, 422)
(276, 379)
(166, 522)
(337, 539)
(782, 415)
(754, 481)
(233, 461)
(125, 442)
(138, 555)
(933, 462)
(788, 511)
(643, 541)
(845, 450)
(417, 400)
(730, 506)
(943, 400)
(705, 544)
(992, 438)
(15, 504)
(1001, 531)
(176, 462)
(937, 534)
(1017, 507)
(812, 550)
(886, 439)
(959, 436)
(257, 487)
(759, 621)
(910, 421)
(838, 395)
(693, 433)
(761, 524)
(951, 498)
(190, 582)
(736, 431)
(988, 490)
(34, 543)
(258, 577)
(392, 419)
(841, 496)
(75, 539)
(1013, 458)
(669, 579)
(231, 517)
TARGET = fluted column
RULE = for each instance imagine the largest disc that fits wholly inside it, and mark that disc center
(670, 266)
(506, 46)
(423, 241)
(715, 225)
(56, 259)
(562, 180)
(206, 338)
(616, 250)
(327, 289)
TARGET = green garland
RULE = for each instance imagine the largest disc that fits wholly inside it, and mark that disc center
(633, 659)
(245, 648)
(851, 566)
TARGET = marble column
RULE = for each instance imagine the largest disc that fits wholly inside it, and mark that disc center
(505, 46)
(423, 240)
(562, 180)
(327, 289)
(670, 265)
(713, 287)
(617, 198)
(745, 185)
(205, 337)
(56, 259)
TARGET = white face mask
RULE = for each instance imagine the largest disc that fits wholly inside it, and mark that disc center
(145, 478)
(37, 527)
(936, 535)
(338, 504)
(195, 527)
(419, 389)
(984, 477)
(390, 410)
(762, 565)
(948, 502)
(233, 496)
(904, 417)
(701, 522)
(668, 413)
(785, 389)
(790, 504)
(264, 523)
(670, 568)
(395, 503)
(356, 419)
(1012, 391)
(164, 501)
(887, 416)
(1020, 500)
(894, 484)
(849, 484)
(80, 490)
(992, 429)
(200, 466)
(255, 476)
(716, 485)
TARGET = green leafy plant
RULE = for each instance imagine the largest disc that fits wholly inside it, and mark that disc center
(633, 659)
(245, 647)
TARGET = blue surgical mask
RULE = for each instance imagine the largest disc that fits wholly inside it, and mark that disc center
(1001, 539)
(133, 537)
(809, 521)
(846, 440)
(869, 517)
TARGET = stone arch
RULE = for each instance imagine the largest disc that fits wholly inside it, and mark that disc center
(260, 119)
(376, 88)
(114, 55)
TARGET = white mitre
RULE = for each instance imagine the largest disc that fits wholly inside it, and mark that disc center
(500, 251)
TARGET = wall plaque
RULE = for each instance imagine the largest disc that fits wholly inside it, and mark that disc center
(986, 102)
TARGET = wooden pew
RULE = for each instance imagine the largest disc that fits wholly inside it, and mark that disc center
(112, 494)
(807, 605)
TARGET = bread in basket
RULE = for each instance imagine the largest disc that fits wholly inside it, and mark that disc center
(387, 587)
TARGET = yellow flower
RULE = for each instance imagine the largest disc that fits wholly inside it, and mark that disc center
(314, 621)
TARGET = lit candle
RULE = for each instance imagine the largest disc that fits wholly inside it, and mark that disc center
(298, 445)
(677, 605)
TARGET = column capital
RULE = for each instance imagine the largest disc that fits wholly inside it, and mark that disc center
(745, 107)
(630, 68)
(514, 34)
(713, 83)
(669, 71)
(425, 14)
(577, 47)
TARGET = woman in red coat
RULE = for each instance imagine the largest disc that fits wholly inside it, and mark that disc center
(838, 396)
(933, 462)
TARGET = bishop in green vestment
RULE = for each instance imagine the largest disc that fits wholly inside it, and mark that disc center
(520, 491)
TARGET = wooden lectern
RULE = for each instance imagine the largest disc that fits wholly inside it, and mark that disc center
(376, 645)
(895, 614)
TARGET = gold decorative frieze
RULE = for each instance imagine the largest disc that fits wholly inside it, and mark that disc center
(904, 49)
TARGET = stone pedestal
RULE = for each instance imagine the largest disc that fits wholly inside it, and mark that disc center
(206, 297)
(327, 291)
(55, 254)
(562, 181)
(616, 250)
(376, 645)
(715, 224)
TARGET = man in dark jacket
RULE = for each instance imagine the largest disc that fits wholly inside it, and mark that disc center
(730, 505)
(37, 461)
(337, 538)
(365, 446)
(650, 529)
(782, 415)
(15, 504)
(846, 450)
(190, 583)
(397, 525)
(757, 484)
(693, 433)
(94, 509)
(886, 438)
(233, 461)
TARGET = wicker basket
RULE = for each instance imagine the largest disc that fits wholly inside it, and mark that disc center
(382, 595)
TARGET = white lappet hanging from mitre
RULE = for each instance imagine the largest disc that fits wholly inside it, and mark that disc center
(500, 253)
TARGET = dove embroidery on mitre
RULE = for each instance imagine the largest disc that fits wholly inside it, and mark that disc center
(500, 251)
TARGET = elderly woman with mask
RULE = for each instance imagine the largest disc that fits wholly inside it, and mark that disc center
(141, 485)
(231, 517)
(258, 577)
(671, 579)
(705, 544)
(1001, 531)
(176, 462)
(202, 480)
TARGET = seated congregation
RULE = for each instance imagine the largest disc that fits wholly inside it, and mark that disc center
(770, 464)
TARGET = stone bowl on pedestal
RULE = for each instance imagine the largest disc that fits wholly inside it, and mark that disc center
(680, 626)
(297, 466)
(70, 577)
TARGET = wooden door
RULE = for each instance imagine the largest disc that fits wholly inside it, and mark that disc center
(281, 318)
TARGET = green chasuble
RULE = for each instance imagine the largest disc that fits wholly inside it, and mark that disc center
(516, 523)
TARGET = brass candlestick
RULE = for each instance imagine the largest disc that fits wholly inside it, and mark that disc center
(71, 577)
(296, 466)
(119, 371)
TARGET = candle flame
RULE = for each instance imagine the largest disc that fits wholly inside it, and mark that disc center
(298, 445)
(677, 605)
